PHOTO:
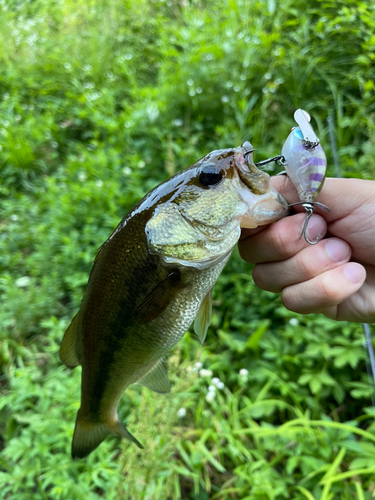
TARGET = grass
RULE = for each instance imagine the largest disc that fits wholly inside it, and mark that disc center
(99, 102)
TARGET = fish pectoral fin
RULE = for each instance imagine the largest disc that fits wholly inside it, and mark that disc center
(88, 435)
(160, 297)
(203, 318)
(157, 378)
(68, 349)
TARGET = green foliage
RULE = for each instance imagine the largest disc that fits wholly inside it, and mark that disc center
(101, 100)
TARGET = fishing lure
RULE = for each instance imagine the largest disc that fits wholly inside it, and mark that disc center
(305, 163)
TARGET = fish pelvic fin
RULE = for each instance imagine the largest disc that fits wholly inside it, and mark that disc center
(88, 435)
(203, 318)
(68, 348)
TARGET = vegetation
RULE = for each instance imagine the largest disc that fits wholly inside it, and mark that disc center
(100, 100)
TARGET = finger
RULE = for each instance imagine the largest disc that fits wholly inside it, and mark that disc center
(360, 306)
(305, 265)
(281, 240)
(339, 195)
(324, 291)
(246, 232)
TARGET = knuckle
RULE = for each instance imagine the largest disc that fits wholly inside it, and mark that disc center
(304, 265)
(263, 277)
(286, 237)
(288, 300)
(258, 276)
(281, 242)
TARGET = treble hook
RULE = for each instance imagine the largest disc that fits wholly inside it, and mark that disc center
(309, 211)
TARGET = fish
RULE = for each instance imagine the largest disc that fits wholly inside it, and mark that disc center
(153, 278)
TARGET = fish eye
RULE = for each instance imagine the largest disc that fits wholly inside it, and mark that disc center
(210, 175)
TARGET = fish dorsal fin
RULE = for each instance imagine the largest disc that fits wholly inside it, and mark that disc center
(203, 318)
(68, 349)
(157, 378)
(160, 297)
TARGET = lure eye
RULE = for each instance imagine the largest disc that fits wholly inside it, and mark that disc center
(210, 175)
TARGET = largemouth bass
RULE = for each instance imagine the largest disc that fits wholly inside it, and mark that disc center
(153, 277)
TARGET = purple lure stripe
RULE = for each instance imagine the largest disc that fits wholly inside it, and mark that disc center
(313, 189)
(316, 177)
(318, 162)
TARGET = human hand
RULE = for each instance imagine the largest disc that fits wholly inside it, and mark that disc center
(335, 277)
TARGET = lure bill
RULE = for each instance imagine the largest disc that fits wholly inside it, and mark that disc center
(306, 165)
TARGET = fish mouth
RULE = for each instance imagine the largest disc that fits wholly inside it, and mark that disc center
(265, 204)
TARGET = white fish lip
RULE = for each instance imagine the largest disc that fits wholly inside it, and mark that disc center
(265, 204)
(263, 209)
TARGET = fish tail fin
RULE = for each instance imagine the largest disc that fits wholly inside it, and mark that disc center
(68, 348)
(88, 435)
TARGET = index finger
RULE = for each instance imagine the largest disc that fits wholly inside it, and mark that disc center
(341, 196)
(281, 240)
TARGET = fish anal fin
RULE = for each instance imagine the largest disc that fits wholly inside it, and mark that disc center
(120, 430)
(203, 318)
(88, 435)
(68, 348)
(157, 378)
(160, 297)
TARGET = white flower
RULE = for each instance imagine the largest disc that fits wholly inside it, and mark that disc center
(244, 372)
(220, 385)
(205, 373)
(215, 380)
(82, 176)
(198, 364)
(210, 396)
(22, 282)
(181, 413)
(211, 388)
(293, 322)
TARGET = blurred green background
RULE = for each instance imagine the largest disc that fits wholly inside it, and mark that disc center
(100, 100)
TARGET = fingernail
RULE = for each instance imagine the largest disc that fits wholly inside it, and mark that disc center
(354, 272)
(315, 228)
(337, 250)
